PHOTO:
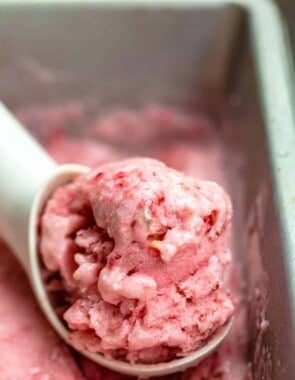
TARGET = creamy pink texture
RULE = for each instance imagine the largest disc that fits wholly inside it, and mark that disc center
(39, 354)
(153, 123)
(141, 250)
(86, 152)
(30, 350)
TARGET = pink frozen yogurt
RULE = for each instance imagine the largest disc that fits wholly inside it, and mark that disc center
(30, 350)
(137, 252)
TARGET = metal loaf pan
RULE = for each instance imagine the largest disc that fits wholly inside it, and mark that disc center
(213, 55)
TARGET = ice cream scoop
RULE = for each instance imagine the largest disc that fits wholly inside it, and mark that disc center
(28, 177)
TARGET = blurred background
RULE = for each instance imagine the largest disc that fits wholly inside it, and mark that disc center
(288, 9)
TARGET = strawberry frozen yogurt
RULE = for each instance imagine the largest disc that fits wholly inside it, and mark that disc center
(30, 350)
(135, 254)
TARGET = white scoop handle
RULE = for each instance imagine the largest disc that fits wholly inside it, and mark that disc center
(24, 166)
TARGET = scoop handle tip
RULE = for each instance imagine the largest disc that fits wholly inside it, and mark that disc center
(24, 166)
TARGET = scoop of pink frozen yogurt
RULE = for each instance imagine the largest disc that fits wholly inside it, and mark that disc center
(137, 253)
